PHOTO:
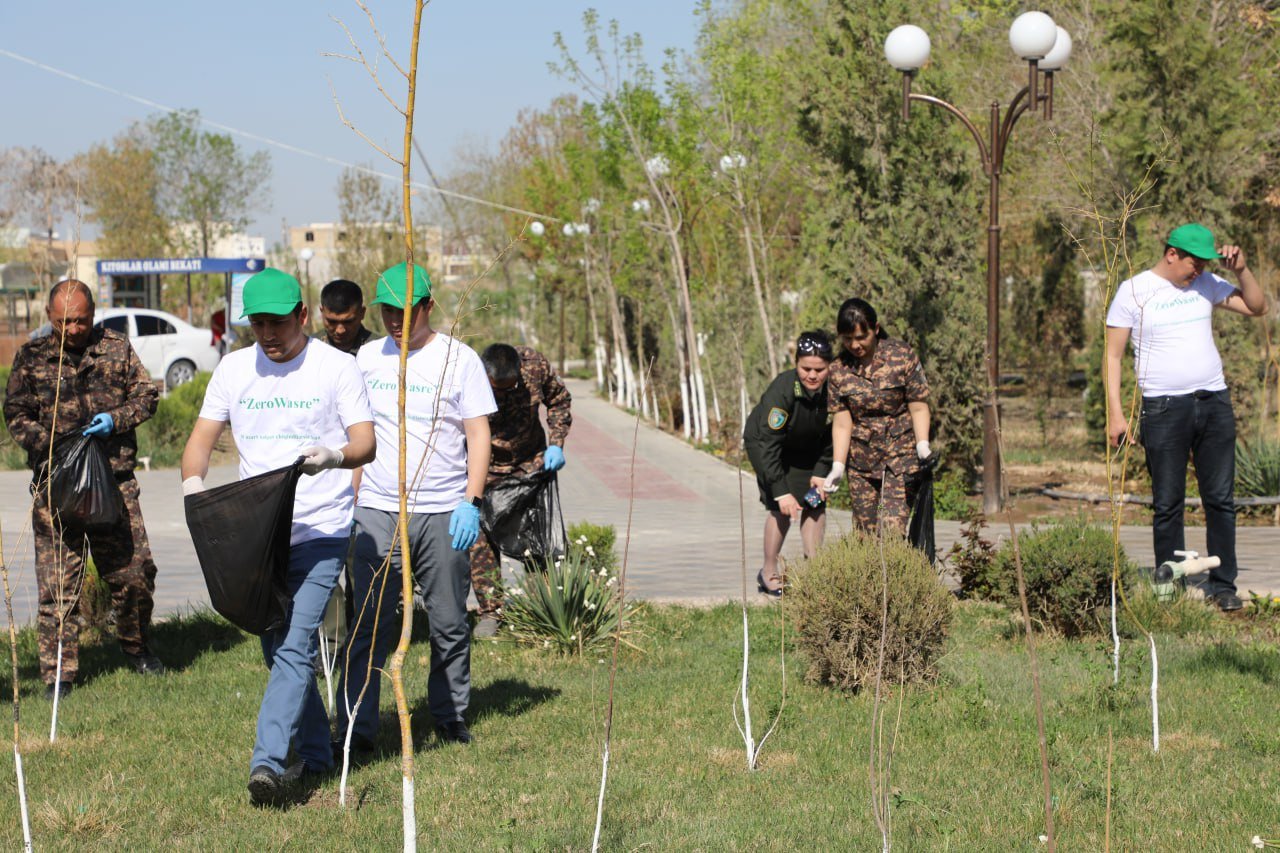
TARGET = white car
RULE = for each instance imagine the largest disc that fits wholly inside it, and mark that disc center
(172, 350)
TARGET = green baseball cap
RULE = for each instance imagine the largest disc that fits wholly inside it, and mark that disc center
(392, 286)
(271, 291)
(1194, 239)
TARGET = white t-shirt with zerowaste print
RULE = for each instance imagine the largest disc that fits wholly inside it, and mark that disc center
(446, 384)
(1172, 328)
(277, 409)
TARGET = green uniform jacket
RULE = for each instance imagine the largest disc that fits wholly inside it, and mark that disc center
(788, 436)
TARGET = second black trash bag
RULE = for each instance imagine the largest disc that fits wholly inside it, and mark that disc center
(83, 490)
(521, 516)
(920, 532)
(241, 533)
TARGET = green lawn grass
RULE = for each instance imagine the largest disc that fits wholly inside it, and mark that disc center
(146, 764)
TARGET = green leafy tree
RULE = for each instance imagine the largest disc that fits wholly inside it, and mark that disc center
(894, 216)
(206, 182)
(122, 194)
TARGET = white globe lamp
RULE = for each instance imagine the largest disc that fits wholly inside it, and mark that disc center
(1056, 58)
(1032, 35)
(907, 48)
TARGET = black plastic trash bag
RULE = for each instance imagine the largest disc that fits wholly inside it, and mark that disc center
(920, 531)
(241, 533)
(521, 516)
(84, 493)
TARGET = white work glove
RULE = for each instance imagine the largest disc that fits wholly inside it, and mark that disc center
(832, 482)
(192, 486)
(922, 450)
(317, 459)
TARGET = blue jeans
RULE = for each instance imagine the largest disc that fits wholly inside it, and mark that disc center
(292, 710)
(444, 575)
(1201, 426)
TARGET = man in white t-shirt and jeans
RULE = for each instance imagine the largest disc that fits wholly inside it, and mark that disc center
(287, 397)
(447, 406)
(1186, 407)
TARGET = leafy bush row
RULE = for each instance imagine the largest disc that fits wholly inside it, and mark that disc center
(1067, 568)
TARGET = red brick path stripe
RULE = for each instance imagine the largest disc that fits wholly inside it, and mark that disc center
(610, 460)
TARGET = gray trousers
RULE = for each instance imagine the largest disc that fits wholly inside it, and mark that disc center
(444, 576)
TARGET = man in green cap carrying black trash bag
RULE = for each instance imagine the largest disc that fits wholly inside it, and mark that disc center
(1186, 407)
(447, 405)
(289, 397)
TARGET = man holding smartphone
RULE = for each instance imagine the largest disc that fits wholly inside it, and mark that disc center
(1186, 407)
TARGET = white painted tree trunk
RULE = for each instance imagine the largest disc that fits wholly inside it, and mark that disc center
(715, 403)
(600, 357)
(1155, 696)
(22, 799)
(57, 690)
(410, 815)
(604, 780)
(1115, 638)
(746, 701)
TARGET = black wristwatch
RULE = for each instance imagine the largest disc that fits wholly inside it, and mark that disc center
(475, 502)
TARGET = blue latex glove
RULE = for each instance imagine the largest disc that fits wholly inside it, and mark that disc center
(102, 424)
(553, 459)
(464, 525)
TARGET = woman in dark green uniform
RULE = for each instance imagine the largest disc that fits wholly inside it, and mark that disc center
(788, 440)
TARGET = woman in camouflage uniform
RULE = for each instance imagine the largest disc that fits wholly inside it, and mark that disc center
(788, 439)
(877, 395)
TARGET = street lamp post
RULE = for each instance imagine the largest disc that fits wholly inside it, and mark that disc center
(305, 256)
(1045, 47)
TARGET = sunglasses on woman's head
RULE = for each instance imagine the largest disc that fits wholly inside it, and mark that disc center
(813, 346)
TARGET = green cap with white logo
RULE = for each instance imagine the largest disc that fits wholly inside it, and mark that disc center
(271, 291)
(392, 286)
(1194, 239)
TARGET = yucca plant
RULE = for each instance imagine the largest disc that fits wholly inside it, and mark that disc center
(1258, 468)
(567, 605)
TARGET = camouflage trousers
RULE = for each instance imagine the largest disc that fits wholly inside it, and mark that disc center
(122, 557)
(486, 575)
(899, 492)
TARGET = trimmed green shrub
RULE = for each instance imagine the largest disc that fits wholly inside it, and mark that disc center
(594, 544)
(165, 434)
(837, 597)
(1067, 568)
(951, 495)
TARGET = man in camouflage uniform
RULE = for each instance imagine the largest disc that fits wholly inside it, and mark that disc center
(101, 388)
(878, 395)
(522, 379)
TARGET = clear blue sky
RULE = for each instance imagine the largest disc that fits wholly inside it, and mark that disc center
(257, 66)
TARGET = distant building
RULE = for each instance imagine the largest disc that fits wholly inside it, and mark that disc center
(327, 240)
(228, 244)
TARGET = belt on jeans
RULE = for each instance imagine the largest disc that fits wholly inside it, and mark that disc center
(1199, 395)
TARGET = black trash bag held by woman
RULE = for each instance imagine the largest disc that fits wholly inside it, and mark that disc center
(241, 533)
(920, 531)
(83, 490)
(521, 516)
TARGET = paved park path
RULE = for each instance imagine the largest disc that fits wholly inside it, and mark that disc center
(685, 527)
